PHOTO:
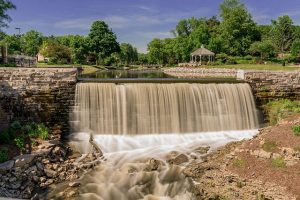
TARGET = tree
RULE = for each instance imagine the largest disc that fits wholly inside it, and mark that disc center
(5, 5)
(57, 53)
(31, 42)
(283, 32)
(295, 49)
(13, 43)
(237, 30)
(128, 54)
(264, 48)
(79, 49)
(102, 41)
(156, 51)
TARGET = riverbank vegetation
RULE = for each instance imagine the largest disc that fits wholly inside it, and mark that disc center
(20, 138)
(277, 110)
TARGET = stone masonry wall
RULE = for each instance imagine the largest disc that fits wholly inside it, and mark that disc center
(37, 94)
(266, 85)
(272, 85)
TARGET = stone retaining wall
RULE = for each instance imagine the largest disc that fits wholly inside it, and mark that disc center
(37, 94)
(272, 85)
(266, 85)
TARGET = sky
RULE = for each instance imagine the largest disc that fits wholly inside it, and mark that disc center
(134, 21)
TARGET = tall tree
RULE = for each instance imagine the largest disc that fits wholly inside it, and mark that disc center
(283, 32)
(156, 51)
(31, 42)
(102, 41)
(128, 54)
(237, 28)
(5, 5)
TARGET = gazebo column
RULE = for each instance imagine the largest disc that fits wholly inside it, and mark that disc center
(200, 60)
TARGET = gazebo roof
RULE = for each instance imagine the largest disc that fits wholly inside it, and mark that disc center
(202, 52)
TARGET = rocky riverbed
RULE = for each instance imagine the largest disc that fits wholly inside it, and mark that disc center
(265, 167)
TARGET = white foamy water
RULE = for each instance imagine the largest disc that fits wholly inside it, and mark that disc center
(140, 127)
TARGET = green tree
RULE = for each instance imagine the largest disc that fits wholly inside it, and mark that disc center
(295, 49)
(237, 30)
(13, 43)
(264, 48)
(31, 42)
(156, 51)
(143, 58)
(57, 53)
(102, 41)
(5, 5)
(128, 54)
(283, 32)
(79, 49)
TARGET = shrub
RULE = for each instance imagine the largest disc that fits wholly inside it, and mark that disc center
(3, 155)
(16, 125)
(42, 131)
(278, 162)
(20, 143)
(277, 110)
(269, 146)
(296, 130)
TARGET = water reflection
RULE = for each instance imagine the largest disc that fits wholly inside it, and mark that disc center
(117, 74)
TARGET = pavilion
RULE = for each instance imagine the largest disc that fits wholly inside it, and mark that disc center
(201, 53)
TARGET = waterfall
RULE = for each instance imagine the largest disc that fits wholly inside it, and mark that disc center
(131, 109)
(138, 125)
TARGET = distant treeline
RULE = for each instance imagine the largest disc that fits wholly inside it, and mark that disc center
(232, 35)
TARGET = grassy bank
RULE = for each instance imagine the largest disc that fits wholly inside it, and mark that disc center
(86, 68)
(277, 110)
(255, 67)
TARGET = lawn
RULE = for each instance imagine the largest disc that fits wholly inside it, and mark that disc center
(86, 68)
(257, 67)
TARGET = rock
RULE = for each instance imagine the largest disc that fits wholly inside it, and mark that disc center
(43, 179)
(49, 182)
(261, 154)
(50, 173)
(180, 159)
(40, 166)
(153, 164)
(71, 194)
(22, 160)
(7, 166)
(202, 150)
(16, 185)
(74, 184)
(276, 155)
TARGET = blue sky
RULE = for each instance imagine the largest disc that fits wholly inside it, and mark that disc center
(134, 21)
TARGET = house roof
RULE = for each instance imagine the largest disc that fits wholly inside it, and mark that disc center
(203, 52)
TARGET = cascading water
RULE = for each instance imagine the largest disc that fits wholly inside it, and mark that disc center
(136, 123)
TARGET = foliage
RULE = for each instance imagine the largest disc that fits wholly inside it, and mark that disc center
(3, 155)
(264, 48)
(13, 43)
(128, 54)
(269, 146)
(31, 42)
(237, 30)
(16, 125)
(20, 143)
(57, 53)
(295, 49)
(283, 32)
(4, 17)
(102, 41)
(280, 109)
(296, 130)
(278, 162)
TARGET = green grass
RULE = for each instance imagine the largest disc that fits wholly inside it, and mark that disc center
(278, 162)
(277, 110)
(87, 69)
(255, 67)
(296, 130)
(269, 146)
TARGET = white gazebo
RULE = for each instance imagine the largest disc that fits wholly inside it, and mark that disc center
(199, 53)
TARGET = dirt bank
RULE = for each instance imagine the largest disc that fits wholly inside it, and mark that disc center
(265, 167)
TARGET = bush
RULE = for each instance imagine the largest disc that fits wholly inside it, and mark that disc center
(296, 130)
(231, 61)
(3, 155)
(42, 131)
(277, 110)
(16, 125)
(278, 162)
(4, 137)
(269, 146)
(20, 143)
